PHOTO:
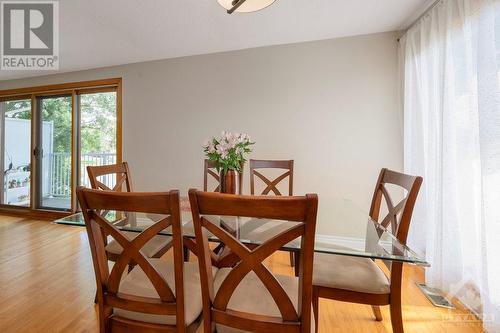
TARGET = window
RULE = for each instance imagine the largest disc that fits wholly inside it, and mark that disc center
(16, 139)
(97, 134)
(49, 135)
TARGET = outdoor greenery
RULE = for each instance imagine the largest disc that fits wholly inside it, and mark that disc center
(98, 120)
(97, 129)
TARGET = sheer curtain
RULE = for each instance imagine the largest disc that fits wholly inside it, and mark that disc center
(452, 138)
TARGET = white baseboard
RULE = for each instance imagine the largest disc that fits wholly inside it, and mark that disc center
(350, 242)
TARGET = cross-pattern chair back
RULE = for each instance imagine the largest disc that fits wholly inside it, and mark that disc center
(209, 169)
(93, 203)
(121, 171)
(399, 215)
(215, 305)
(271, 185)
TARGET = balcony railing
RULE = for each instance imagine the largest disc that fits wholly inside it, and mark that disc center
(60, 171)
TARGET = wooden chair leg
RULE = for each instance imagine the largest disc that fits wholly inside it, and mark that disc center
(377, 313)
(186, 253)
(104, 314)
(292, 259)
(95, 298)
(207, 325)
(396, 317)
(315, 304)
(297, 263)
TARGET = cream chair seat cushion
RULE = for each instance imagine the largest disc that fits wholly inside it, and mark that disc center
(152, 247)
(137, 283)
(253, 297)
(349, 273)
(261, 230)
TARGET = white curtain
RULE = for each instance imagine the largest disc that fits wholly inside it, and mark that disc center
(451, 64)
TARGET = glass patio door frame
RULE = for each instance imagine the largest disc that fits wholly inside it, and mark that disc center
(78, 134)
(37, 151)
(36, 94)
(2, 147)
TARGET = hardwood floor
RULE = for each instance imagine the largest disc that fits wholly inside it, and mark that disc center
(47, 285)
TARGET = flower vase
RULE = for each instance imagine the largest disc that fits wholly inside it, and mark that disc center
(228, 182)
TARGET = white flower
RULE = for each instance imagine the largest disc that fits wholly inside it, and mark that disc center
(229, 138)
(222, 150)
(244, 138)
(211, 147)
(233, 142)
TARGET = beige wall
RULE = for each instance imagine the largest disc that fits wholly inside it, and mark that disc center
(331, 105)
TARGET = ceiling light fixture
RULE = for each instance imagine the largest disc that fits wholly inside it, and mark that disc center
(244, 6)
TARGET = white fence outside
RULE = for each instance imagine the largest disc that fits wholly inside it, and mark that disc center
(60, 171)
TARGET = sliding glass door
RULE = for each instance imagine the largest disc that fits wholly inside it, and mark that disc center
(54, 151)
(16, 156)
(97, 134)
(49, 135)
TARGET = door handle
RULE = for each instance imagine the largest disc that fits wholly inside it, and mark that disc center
(38, 152)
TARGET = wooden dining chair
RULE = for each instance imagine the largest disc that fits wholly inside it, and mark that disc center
(121, 171)
(271, 184)
(361, 280)
(159, 244)
(157, 295)
(209, 169)
(247, 296)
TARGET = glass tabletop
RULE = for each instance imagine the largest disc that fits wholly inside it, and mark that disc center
(364, 237)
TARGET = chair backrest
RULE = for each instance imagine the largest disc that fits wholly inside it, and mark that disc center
(271, 185)
(93, 203)
(210, 169)
(398, 215)
(215, 305)
(121, 171)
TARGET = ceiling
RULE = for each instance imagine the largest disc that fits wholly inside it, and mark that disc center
(96, 33)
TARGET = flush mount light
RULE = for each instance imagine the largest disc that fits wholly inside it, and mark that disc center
(244, 6)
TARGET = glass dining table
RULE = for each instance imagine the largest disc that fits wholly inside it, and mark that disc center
(354, 233)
